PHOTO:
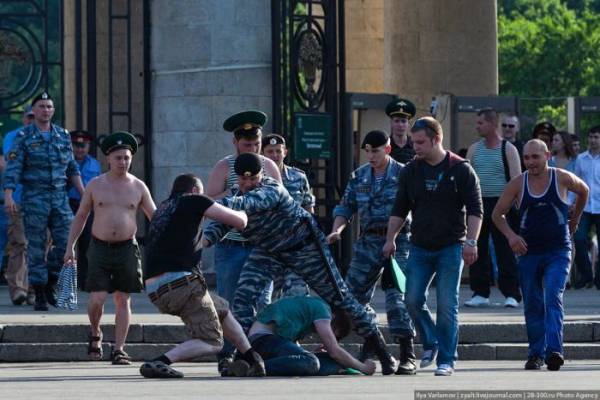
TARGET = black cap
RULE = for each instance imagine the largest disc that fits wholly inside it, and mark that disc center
(544, 128)
(401, 108)
(117, 141)
(81, 136)
(272, 139)
(41, 96)
(247, 164)
(375, 139)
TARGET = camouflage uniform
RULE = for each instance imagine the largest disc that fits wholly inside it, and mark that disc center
(285, 235)
(43, 165)
(296, 183)
(373, 201)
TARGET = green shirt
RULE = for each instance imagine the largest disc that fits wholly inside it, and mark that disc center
(294, 316)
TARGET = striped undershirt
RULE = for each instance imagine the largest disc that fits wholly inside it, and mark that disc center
(489, 167)
(231, 182)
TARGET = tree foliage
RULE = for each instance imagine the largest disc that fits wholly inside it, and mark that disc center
(549, 48)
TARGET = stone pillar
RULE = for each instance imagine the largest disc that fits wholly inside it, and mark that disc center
(209, 59)
(364, 29)
(434, 47)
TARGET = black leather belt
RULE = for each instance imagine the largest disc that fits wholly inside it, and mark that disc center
(167, 287)
(112, 244)
(381, 231)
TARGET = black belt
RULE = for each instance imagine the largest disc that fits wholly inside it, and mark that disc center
(381, 231)
(243, 243)
(113, 244)
(167, 287)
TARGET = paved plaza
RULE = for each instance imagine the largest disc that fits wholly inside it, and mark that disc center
(92, 380)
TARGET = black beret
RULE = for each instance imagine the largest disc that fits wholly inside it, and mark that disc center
(401, 107)
(81, 137)
(117, 141)
(41, 96)
(375, 139)
(272, 139)
(245, 123)
(247, 164)
(543, 127)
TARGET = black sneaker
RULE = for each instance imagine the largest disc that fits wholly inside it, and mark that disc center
(554, 361)
(223, 364)
(534, 363)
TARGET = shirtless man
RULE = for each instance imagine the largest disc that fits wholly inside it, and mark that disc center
(114, 262)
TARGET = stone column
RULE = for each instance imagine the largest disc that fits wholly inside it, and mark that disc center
(436, 47)
(209, 59)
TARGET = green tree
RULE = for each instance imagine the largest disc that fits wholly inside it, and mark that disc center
(548, 50)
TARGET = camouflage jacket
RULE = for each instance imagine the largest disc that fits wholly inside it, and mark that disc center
(372, 201)
(296, 183)
(39, 163)
(275, 220)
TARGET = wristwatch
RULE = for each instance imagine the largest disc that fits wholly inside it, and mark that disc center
(471, 242)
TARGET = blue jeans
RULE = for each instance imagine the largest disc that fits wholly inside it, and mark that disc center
(284, 357)
(543, 279)
(423, 265)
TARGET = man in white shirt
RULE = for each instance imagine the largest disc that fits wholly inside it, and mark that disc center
(587, 167)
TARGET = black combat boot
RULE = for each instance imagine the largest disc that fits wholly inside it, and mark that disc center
(248, 364)
(50, 290)
(376, 344)
(40, 298)
(408, 359)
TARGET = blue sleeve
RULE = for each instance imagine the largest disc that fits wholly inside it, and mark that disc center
(72, 167)
(347, 206)
(308, 200)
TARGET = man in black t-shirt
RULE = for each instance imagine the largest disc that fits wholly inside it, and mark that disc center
(442, 192)
(176, 286)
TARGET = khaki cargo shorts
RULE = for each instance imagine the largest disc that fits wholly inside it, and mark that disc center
(200, 313)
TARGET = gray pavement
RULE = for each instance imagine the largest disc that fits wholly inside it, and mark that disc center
(89, 380)
(580, 305)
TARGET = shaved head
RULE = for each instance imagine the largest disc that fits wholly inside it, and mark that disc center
(536, 156)
(535, 146)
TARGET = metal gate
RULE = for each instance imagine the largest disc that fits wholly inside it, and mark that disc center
(308, 78)
(31, 56)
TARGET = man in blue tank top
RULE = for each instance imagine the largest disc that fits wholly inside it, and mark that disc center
(543, 247)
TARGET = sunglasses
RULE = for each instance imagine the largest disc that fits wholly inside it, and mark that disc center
(422, 124)
(508, 125)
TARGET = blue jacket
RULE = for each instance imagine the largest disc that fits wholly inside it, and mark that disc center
(89, 169)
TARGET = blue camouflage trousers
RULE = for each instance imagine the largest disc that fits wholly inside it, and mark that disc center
(313, 263)
(366, 267)
(43, 211)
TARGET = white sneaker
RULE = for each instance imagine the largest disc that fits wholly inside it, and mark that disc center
(511, 302)
(477, 301)
(444, 370)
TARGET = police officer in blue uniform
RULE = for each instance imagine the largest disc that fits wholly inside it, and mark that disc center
(370, 193)
(89, 168)
(41, 159)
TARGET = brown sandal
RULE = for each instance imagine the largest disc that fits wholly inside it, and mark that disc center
(119, 357)
(95, 353)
